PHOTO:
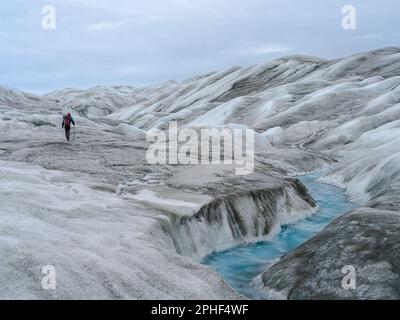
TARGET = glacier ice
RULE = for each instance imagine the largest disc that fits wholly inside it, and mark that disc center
(116, 227)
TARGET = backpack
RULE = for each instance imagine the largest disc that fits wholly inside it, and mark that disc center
(67, 121)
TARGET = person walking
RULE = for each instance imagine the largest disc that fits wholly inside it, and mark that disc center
(66, 124)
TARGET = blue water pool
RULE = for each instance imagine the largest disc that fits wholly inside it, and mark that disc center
(239, 266)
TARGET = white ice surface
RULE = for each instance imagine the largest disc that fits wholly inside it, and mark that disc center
(102, 246)
(150, 196)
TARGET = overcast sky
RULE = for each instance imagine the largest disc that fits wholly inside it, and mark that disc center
(140, 42)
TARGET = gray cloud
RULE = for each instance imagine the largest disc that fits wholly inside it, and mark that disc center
(142, 42)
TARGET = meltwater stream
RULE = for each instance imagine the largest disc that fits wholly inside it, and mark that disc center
(240, 265)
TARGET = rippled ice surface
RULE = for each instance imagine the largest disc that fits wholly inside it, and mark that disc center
(238, 266)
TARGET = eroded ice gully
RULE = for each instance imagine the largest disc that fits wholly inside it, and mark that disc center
(241, 218)
(243, 265)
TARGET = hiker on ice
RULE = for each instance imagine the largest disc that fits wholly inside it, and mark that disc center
(66, 124)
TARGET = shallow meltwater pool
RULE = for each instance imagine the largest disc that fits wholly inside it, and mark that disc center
(240, 265)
